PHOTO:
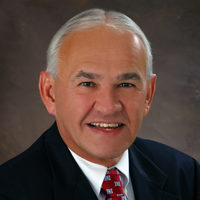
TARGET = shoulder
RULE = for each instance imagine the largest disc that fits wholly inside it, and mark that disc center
(159, 152)
(26, 171)
(180, 168)
(35, 151)
(164, 156)
(182, 172)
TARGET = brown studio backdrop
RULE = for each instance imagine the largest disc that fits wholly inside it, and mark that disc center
(173, 28)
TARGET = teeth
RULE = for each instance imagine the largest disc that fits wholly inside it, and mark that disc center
(105, 125)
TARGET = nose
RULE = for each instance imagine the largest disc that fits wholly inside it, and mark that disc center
(107, 102)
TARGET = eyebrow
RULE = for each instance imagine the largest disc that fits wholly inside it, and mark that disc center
(88, 75)
(122, 77)
(129, 76)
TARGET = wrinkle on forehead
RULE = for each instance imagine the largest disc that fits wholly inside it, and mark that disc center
(82, 48)
(98, 35)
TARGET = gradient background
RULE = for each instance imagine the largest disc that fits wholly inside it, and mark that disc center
(172, 27)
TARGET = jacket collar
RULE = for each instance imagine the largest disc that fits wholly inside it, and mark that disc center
(147, 179)
(69, 181)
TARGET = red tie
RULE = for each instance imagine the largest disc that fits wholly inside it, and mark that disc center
(112, 186)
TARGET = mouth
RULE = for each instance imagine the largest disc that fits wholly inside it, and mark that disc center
(106, 126)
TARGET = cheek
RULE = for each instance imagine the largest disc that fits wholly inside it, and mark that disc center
(81, 101)
(134, 101)
(134, 106)
(75, 105)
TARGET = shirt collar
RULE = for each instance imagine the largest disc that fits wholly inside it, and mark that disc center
(123, 167)
(96, 173)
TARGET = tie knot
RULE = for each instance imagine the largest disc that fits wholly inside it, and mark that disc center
(112, 186)
(113, 171)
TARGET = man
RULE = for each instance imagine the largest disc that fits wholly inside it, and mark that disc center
(99, 85)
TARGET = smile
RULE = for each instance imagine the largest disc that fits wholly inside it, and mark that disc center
(105, 126)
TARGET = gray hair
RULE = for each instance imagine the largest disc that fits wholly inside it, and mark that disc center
(89, 19)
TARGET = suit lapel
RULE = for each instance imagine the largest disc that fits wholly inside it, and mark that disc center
(147, 179)
(69, 181)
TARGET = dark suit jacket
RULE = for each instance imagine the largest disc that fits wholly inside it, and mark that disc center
(48, 171)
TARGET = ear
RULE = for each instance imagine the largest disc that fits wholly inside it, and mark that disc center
(47, 91)
(151, 86)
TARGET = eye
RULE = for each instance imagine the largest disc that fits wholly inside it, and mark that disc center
(126, 85)
(87, 84)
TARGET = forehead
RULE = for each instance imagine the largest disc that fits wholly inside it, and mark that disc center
(99, 47)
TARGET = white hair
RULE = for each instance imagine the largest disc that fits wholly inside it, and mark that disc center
(89, 19)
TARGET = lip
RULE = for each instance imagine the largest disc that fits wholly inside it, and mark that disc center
(106, 122)
(112, 132)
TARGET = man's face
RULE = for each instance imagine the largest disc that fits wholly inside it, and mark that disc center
(101, 93)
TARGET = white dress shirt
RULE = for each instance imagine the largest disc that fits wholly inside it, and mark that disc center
(96, 174)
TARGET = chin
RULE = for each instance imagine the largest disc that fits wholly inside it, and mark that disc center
(109, 154)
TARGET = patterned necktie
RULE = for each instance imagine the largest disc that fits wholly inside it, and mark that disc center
(112, 186)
